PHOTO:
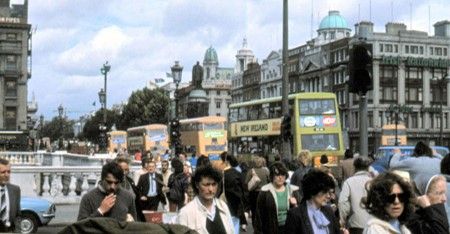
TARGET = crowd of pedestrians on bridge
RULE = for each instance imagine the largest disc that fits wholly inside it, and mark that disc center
(283, 196)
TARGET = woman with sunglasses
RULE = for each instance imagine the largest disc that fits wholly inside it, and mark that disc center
(431, 217)
(390, 200)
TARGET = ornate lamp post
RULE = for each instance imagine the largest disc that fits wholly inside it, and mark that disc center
(61, 113)
(102, 126)
(393, 111)
(177, 71)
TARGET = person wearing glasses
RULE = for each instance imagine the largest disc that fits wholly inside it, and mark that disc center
(390, 200)
(205, 213)
(313, 215)
(108, 199)
(431, 216)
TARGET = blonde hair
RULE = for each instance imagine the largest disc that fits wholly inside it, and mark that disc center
(304, 157)
(260, 161)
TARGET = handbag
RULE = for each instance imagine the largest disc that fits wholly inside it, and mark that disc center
(254, 181)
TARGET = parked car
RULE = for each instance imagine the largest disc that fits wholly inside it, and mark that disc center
(36, 212)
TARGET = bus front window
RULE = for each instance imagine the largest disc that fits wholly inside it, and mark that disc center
(320, 142)
(213, 126)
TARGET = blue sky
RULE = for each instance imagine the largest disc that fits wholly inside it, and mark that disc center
(141, 39)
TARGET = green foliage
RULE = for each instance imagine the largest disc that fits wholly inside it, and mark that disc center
(146, 106)
(91, 129)
(54, 128)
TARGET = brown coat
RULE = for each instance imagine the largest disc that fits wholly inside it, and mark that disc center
(346, 169)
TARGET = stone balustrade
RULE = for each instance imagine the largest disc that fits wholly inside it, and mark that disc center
(58, 177)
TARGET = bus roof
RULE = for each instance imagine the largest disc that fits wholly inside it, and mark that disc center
(315, 95)
(205, 119)
(150, 126)
(393, 126)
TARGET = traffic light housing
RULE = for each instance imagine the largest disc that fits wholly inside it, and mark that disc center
(286, 127)
(360, 69)
(175, 135)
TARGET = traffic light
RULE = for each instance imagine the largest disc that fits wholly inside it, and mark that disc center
(286, 127)
(175, 135)
(360, 69)
(7, 145)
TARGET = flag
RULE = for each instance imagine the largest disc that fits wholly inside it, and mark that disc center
(93, 103)
(169, 75)
(152, 83)
(159, 80)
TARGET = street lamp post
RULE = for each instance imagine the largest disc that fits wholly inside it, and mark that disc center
(441, 82)
(103, 96)
(393, 111)
(61, 113)
(177, 71)
(41, 126)
(102, 126)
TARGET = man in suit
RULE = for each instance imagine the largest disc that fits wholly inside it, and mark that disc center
(150, 188)
(10, 196)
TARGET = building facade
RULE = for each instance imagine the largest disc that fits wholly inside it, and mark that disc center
(15, 66)
(410, 73)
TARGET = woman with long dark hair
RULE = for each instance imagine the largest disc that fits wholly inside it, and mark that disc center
(390, 200)
(178, 186)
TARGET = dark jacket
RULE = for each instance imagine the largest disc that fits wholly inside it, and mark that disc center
(109, 225)
(432, 219)
(298, 220)
(266, 217)
(137, 200)
(297, 177)
(144, 186)
(233, 191)
(178, 186)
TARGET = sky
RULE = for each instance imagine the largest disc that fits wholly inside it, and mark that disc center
(141, 39)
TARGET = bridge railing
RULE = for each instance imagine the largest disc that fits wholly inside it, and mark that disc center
(59, 177)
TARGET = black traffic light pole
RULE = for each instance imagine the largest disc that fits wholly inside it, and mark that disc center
(360, 70)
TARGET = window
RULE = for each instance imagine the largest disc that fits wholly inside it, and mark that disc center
(407, 49)
(11, 63)
(431, 50)
(414, 49)
(11, 36)
(439, 51)
(10, 88)
(218, 105)
(389, 48)
(381, 48)
(10, 118)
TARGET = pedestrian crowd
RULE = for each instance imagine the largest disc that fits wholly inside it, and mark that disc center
(284, 196)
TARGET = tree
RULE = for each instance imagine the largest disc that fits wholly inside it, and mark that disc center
(53, 129)
(91, 129)
(146, 106)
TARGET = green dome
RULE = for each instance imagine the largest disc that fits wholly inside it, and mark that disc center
(333, 20)
(211, 55)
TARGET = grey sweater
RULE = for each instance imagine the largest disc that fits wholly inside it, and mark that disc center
(92, 200)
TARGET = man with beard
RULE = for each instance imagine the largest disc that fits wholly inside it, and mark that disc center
(108, 199)
(166, 175)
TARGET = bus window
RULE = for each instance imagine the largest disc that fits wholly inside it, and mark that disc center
(328, 107)
(253, 112)
(233, 115)
(155, 132)
(243, 114)
(213, 126)
(320, 142)
(275, 110)
(264, 111)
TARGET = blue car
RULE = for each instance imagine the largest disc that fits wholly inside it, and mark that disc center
(384, 155)
(36, 212)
